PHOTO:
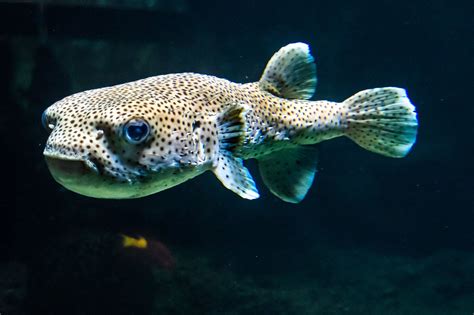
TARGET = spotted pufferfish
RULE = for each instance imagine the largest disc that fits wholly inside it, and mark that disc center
(142, 137)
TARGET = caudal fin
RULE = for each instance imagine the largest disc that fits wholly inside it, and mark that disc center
(382, 120)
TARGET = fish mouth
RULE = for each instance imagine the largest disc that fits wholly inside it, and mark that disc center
(72, 167)
(83, 176)
(87, 177)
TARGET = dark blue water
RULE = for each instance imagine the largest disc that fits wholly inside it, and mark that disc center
(373, 236)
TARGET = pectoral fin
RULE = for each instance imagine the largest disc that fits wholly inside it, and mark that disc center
(235, 176)
(231, 127)
(228, 168)
(289, 173)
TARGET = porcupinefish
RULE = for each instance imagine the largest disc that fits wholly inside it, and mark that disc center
(139, 138)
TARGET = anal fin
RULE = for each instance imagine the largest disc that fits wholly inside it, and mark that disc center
(289, 173)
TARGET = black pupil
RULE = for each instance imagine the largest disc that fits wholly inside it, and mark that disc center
(137, 131)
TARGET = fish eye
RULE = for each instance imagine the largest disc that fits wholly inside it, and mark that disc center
(136, 131)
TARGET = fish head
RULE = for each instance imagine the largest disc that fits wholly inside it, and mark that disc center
(109, 143)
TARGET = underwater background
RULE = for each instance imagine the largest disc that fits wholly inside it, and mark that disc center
(373, 236)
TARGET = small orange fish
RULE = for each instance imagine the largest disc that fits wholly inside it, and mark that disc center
(154, 252)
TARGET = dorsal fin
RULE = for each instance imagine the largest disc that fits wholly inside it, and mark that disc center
(290, 73)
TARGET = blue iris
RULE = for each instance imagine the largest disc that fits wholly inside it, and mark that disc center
(136, 131)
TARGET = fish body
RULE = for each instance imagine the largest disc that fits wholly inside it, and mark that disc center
(141, 137)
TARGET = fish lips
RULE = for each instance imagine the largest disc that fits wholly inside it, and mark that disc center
(72, 167)
(83, 176)
(87, 177)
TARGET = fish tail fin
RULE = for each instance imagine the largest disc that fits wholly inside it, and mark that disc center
(382, 120)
